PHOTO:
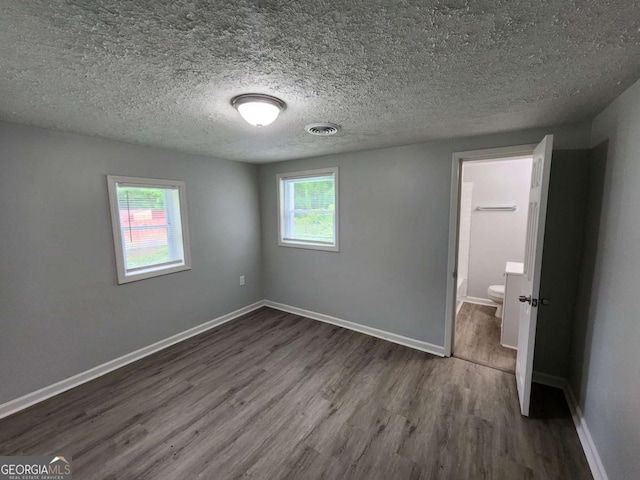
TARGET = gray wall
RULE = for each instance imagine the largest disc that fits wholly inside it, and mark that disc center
(61, 309)
(563, 240)
(606, 347)
(391, 270)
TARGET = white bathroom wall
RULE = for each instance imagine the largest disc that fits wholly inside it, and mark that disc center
(464, 238)
(496, 237)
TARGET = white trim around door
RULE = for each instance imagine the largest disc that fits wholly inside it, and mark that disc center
(454, 213)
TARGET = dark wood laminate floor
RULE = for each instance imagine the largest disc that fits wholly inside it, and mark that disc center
(276, 396)
(477, 338)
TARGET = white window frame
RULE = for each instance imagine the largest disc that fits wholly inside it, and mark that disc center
(156, 270)
(322, 172)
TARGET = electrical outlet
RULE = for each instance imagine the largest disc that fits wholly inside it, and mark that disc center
(241, 279)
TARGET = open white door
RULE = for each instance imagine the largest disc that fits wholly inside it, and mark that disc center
(529, 295)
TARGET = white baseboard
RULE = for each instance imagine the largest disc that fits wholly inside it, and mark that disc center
(32, 398)
(13, 406)
(57, 388)
(589, 447)
(374, 332)
(479, 301)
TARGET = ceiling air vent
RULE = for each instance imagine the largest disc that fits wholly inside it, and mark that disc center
(322, 129)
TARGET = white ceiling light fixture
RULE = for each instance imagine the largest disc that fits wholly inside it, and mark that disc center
(257, 109)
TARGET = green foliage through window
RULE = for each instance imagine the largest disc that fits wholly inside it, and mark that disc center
(140, 197)
(314, 195)
(309, 208)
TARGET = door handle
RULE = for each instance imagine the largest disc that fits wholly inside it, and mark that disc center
(534, 301)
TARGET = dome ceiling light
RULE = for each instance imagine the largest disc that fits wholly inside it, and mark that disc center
(257, 109)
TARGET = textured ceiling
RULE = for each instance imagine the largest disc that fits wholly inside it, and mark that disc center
(390, 72)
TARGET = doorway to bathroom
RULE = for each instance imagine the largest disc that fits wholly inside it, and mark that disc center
(515, 296)
(494, 196)
(493, 201)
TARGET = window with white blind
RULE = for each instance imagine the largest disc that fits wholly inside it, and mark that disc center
(308, 209)
(149, 227)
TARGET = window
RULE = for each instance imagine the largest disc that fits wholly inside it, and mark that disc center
(308, 209)
(149, 227)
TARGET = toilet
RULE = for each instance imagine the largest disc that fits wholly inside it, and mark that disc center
(496, 295)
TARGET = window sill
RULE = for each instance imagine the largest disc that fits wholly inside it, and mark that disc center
(150, 273)
(309, 246)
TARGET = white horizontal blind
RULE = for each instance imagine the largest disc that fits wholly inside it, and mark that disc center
(150, 226)
(308, 210)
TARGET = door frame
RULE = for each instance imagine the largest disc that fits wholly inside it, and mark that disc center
(454, 220)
